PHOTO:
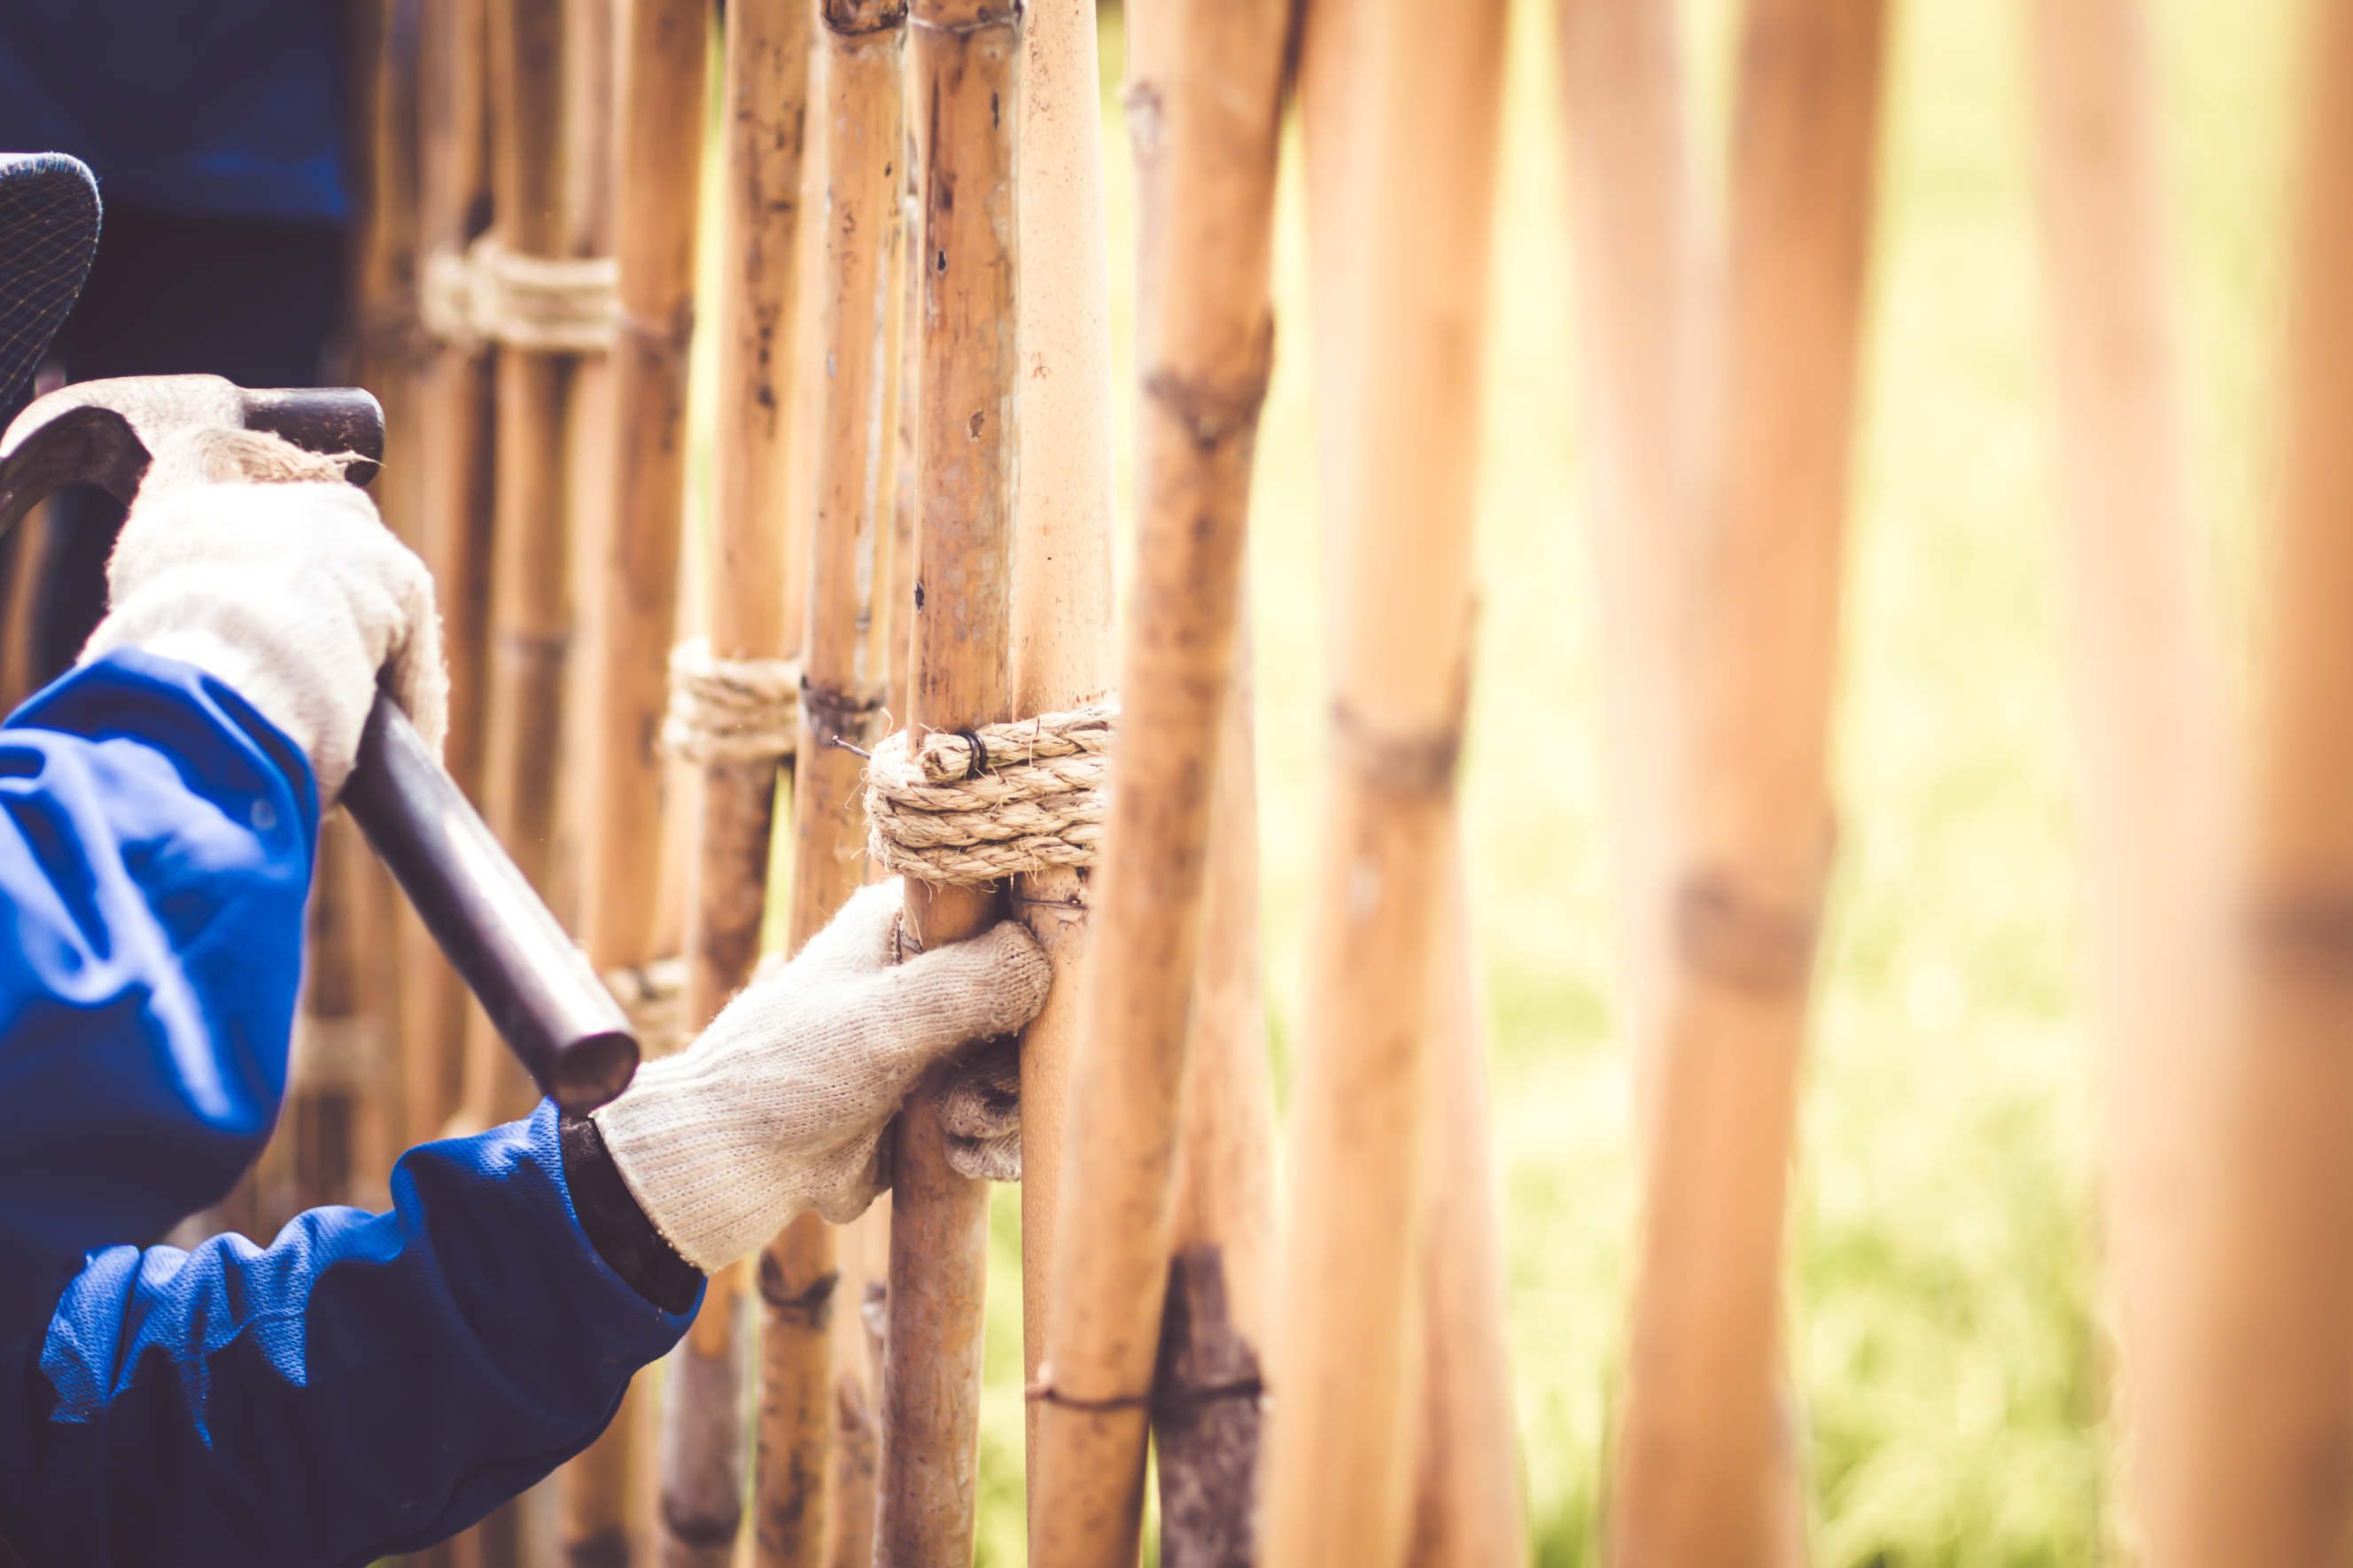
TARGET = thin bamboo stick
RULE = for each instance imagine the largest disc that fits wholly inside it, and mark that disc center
(453, 500)
(1701, 1471)
(2150, 739)
(863, 141)
(1467, 1496)
(531, 598)
(664, 47)
(766, 88)
(1408, 230)
(2253, 1395)
(1207, 1397)
(1207, 164)
(965, 71)
(1063, 647)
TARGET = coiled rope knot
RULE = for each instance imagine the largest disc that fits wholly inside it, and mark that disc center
(487, 293)
(978, 805)
(730, 709)
(653, 997)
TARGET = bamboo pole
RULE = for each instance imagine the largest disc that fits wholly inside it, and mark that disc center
(862, 1253)
(964, 72)
(1701, 1471)
(2249, 1413)
(453, 466)
(663, 57)
(531, 598)
(1207, 1400)
(1062, 645)
(767, 57)
(1207, 161)
(2149, 735)
(1466, 1510)
(1409, 225)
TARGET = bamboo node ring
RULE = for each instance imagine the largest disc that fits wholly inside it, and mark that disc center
(978, 805)
(1043, 1391)
(546, 304)
(730, 709)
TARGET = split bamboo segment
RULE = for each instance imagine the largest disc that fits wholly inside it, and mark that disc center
(1062, 645)
(2150, 737)
(2249, 1419)
(1466, 1511)
(1702, 1466)
(1401, 121)
(453, 504)
(529, 592)
(1207, 164)
(1207, 1400)
(964, 72)
(664, 47)
(766, 66)
(843, 655)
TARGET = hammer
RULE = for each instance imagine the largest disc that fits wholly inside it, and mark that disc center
(537, 987)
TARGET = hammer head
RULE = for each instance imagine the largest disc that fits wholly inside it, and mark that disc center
(105, 433)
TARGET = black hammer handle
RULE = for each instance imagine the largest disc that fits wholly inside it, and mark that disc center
(537, 987)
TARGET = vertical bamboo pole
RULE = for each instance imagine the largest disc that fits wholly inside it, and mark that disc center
(453, 502)
(1207, 1400)
(1063, 649)
(2251, 1416)
(1466, 1510)
(2150, 739)
(530, 598)
(1207, 147)
(862, 1259)
(1701, 1471)
(663, 62)
(963, 76)
(1410, 223)
(766, 58)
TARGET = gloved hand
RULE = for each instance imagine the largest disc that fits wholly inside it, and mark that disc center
(779, 1106)
(980, 1111)
(252, 560)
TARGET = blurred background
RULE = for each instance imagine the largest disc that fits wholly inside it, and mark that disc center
(1945, 1310)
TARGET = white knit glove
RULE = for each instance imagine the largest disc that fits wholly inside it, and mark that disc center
(780, 1105)
(252, 560)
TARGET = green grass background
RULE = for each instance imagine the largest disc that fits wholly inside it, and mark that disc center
(1944, 1292)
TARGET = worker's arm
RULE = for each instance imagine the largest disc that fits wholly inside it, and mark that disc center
(371, 1384)
(367, 1384)
(155, 845)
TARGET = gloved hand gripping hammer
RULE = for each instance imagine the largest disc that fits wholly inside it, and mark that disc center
(537, 986)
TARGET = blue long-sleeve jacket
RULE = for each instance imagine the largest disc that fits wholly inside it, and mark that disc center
(368, 1382)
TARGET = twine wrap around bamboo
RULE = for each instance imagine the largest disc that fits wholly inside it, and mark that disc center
(730, 709)
(488, 293)
(974, 806)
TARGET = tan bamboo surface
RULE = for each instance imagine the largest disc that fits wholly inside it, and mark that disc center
(1206, 1404)
(27, 548)
(964, 73)
(1467, 1506)
(2152, 746)
(530, 589)
(1702, 1471)
(1635, 223)
(752, 560)
(797, 1272)
(1206, 172)
(453, 468)
(663, 59)
(863, 1248)
(1649, 310)
(1401, 121)
(1063, 651)
(2255, 1395)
